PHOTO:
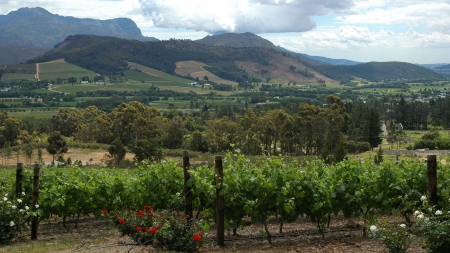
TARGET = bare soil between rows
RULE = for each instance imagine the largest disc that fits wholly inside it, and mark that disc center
(99, 235)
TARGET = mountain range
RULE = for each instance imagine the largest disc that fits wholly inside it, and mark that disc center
(109, 56)
(28, 32)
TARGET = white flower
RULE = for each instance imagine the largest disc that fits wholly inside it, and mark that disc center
(5, 198)
(438, 212)
(402, 225)
(417, 213)
(373, 228)
(9, 202)
(26, 208)
(19, 201)
(423, 198)
(14, 207)
(6, 194)
(21, 210)
(11, 223)
(420, 216)
(23, 193)
(37, 206)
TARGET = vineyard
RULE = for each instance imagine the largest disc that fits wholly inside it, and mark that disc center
(269, 189)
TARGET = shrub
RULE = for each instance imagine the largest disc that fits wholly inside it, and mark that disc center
(396, 237)
(434, 227)
(165, 230)
(13, 216)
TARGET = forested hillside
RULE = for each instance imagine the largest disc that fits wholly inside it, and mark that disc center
(106, 55)
(236, 40)
(109, 56)
(378, 71)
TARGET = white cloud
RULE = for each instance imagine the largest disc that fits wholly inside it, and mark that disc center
(257, 16)
(433, 14)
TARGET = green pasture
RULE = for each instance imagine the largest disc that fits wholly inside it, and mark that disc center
(22, 68)
(141, 76)
(79, 99)
(165, 78)
(53, 70)
(7, 77)
(72, 89)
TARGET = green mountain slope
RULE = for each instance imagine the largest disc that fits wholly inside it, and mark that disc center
(236, 40)
(107, 55)
(378, 71)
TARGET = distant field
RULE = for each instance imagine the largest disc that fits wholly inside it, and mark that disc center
(141, 76)
(195, 69)
(60, 69)
(69, 88)
(7, 77)
(153, 73)
(22, 68)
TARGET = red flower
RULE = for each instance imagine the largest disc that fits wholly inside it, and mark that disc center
(138, 229)
(151, 214)
(146, 230)
(148, 208)
(153, 230)
(158, 227)
(104, 211)
(121, 221)
(197, 237)
(140, 212)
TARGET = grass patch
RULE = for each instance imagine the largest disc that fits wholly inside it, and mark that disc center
(57, 69)
(169, 79)
(7, 77)
(68, 88)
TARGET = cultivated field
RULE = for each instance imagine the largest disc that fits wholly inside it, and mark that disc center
(61, 69)
(195, 69)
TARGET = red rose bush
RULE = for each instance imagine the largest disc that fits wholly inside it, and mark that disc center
(165, 230)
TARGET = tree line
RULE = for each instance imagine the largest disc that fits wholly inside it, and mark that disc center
(145, 131)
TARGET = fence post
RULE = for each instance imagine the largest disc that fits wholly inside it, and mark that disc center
(220, 202)
(34, 221)
(432, 180)
(19, 179)
(187, 189)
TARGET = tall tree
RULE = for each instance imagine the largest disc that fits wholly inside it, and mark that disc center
(56, 146)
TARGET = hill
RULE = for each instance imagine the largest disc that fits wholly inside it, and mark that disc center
(11, 54)
(236, 40)
(378, 71)
(108, 56)
(447, 66)
(333, 61)
(443, 69)
(36, 27)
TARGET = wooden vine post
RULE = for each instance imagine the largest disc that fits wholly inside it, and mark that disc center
(187, 190)
(432, 180)
(19, 179)
(220, 217)
(34, 221)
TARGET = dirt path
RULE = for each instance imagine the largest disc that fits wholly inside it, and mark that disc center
(99, 235)
(37, 72)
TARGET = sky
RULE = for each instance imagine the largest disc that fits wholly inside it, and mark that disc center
(415, 31)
